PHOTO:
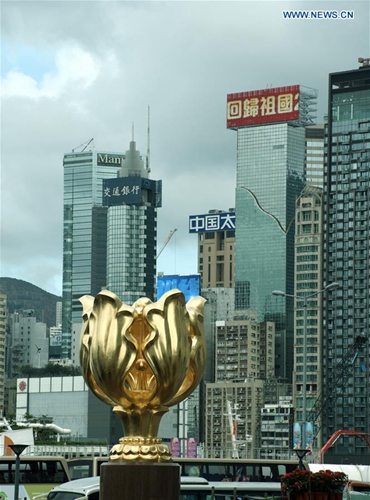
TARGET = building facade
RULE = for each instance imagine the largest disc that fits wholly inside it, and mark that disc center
(29, 342)
(245, 353)
(91, 418)
(308, 282)
(233, 418)
(270, 127)
(315, 155)
(346, 260)
(276, 430)
(3, 339)
(58, 313)
(110, 230)
(244, 349)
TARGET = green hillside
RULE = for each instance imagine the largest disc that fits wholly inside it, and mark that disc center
(24, 295)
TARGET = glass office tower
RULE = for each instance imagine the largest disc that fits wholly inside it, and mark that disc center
(270, 175)
(346, 261)
(110, 230)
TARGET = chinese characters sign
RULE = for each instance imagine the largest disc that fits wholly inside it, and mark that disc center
(122, 190)
(263, 106)
(223, 221)
(188, 284)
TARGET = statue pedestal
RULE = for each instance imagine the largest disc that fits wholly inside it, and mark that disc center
(139, 481)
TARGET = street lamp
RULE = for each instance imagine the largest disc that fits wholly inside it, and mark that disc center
(301, 453)
(17, 449)
(279, 293)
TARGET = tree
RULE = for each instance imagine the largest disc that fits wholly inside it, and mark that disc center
(50, 370)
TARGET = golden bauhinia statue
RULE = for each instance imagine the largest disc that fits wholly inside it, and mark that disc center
(142, 359)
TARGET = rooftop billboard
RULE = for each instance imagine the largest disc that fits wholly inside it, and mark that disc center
(280, 104)
(121, 190)
(188, 284)
(220, 221)
(128, 191)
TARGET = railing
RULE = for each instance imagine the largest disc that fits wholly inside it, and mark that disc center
(69, 451)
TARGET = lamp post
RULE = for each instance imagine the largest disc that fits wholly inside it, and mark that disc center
(183, 426)
(301, 453)
(17, 449)
(279, 293)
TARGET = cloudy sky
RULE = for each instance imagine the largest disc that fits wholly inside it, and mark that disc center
(76, 70)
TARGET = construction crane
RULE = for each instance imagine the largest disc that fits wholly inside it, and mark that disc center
(164, 244)
(337, 383)
(330, 442)
(84, 145)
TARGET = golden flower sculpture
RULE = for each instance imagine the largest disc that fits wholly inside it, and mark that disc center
(142, 359)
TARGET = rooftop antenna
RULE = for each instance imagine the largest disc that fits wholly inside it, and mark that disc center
(148, 147)
(132, 132)
(364, 61)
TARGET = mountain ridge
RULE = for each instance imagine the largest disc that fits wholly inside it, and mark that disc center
(25, 295)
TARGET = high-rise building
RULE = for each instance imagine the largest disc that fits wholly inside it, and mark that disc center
(270, 127)
(244, 349)
(346, 260)
(3, 328)
(244, 355)
(110, 230)
(233, 415)
(216, 247)
(308, 282)
(276, 425)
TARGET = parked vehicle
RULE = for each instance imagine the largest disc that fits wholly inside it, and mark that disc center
(191, 488)
(212, 469)
(37, 476)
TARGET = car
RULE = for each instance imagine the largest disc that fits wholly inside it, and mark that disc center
(87, 488)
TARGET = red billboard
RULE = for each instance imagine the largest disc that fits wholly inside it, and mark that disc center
(263, 106)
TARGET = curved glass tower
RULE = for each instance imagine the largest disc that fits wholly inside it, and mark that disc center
(270, 126)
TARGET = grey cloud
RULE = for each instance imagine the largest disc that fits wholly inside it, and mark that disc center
(181, 58)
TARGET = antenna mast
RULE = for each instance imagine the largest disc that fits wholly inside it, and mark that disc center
(148, 147)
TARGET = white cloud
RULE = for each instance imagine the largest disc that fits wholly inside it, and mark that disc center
(18, 84)
(74, 67)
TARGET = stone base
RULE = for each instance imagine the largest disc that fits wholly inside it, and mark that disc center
(139, 481)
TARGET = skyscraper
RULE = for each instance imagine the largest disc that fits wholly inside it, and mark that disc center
(308, 282)
(270, 128)
(346, 259)
(110, 230)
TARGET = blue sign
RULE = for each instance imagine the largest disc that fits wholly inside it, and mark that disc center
(222, 221)
(122, 190)
(188, 284)
(297, 436)
(309, 434)
(154, 191)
